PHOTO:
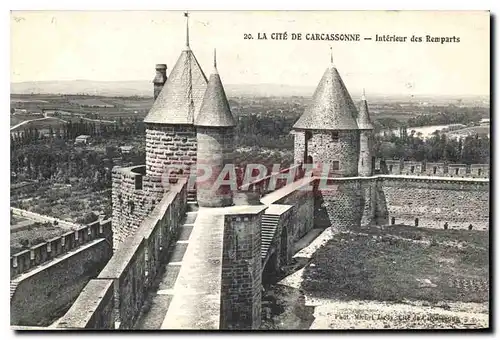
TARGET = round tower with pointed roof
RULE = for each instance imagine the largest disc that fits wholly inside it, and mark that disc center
(170, 132)
(327, 133)
(215, 135)
(366, 159)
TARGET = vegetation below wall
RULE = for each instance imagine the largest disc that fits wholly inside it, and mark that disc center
(397, 263)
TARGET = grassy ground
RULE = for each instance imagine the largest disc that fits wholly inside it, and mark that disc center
(33, 235)
(397, 263)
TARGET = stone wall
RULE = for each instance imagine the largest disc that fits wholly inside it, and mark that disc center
(46, 292)
(135, 263)
(365, 166)
(170, 145)
(134, 196)
(45, 252)
(241, 270)
(325, 150)
(381, 200)
(436, 202)
(342, 202)
(93, 309)
(299, 147)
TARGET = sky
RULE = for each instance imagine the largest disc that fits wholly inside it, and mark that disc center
(126, 45)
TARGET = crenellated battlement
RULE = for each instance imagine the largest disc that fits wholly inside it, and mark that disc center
(440, 169)
(41, 253)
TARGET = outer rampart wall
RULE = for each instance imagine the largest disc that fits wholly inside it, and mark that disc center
(387, 199)
(46, 292)
(444, 169)
(436, 202)
(135, 264)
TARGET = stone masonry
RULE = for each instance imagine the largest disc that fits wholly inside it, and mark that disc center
(241, 270)
(170, 147)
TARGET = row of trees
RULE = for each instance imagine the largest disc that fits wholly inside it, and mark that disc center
(450, 115)
(437, 148)
(71, 130)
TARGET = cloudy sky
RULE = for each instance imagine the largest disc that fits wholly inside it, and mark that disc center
(125, 45)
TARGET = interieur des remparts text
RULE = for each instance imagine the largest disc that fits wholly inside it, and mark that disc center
(390, 38)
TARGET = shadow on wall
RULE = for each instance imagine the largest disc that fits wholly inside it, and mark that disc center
(321, 217)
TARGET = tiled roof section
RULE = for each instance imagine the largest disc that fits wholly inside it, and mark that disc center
(181, 97)
(215, 109)
(332, 107)
(364, 121)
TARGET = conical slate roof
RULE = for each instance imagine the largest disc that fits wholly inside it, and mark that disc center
(180, 99)
(332, 107)
(364, 121)
(215, 109)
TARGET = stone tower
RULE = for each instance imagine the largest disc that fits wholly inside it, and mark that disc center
(170, 132)
(215, 136)
(327, 132)
(365, 166)
(160, 79)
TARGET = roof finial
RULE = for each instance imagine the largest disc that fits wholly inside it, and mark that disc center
(363, 95)
(186, 14)
(331, 55)
(215, 57)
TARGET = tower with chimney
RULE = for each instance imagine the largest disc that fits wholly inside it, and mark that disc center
(171, 142)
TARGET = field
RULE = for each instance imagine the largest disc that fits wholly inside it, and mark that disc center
(388, 277)
(21, 117)
(42, 124)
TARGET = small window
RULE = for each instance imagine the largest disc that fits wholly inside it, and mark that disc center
(479, 172)
(412, 169)
(456, 171)
(335, 165)
(335, 136)
(362, 161)
(390, 168)
(434, 170)
(138, 182)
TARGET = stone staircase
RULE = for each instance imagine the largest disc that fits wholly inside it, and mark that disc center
(13, 287)
(161, 294)
(269, 224)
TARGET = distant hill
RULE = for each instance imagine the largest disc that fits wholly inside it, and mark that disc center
(145, 88)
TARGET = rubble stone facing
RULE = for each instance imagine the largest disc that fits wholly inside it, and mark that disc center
(170, 147)
(134, 196)
(241, 272)
(299, 147)
(325, 150)
(435, 202)
(365, 153)
(344, 203)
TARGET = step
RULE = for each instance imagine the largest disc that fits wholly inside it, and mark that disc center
(190, 217)
(192, 206)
